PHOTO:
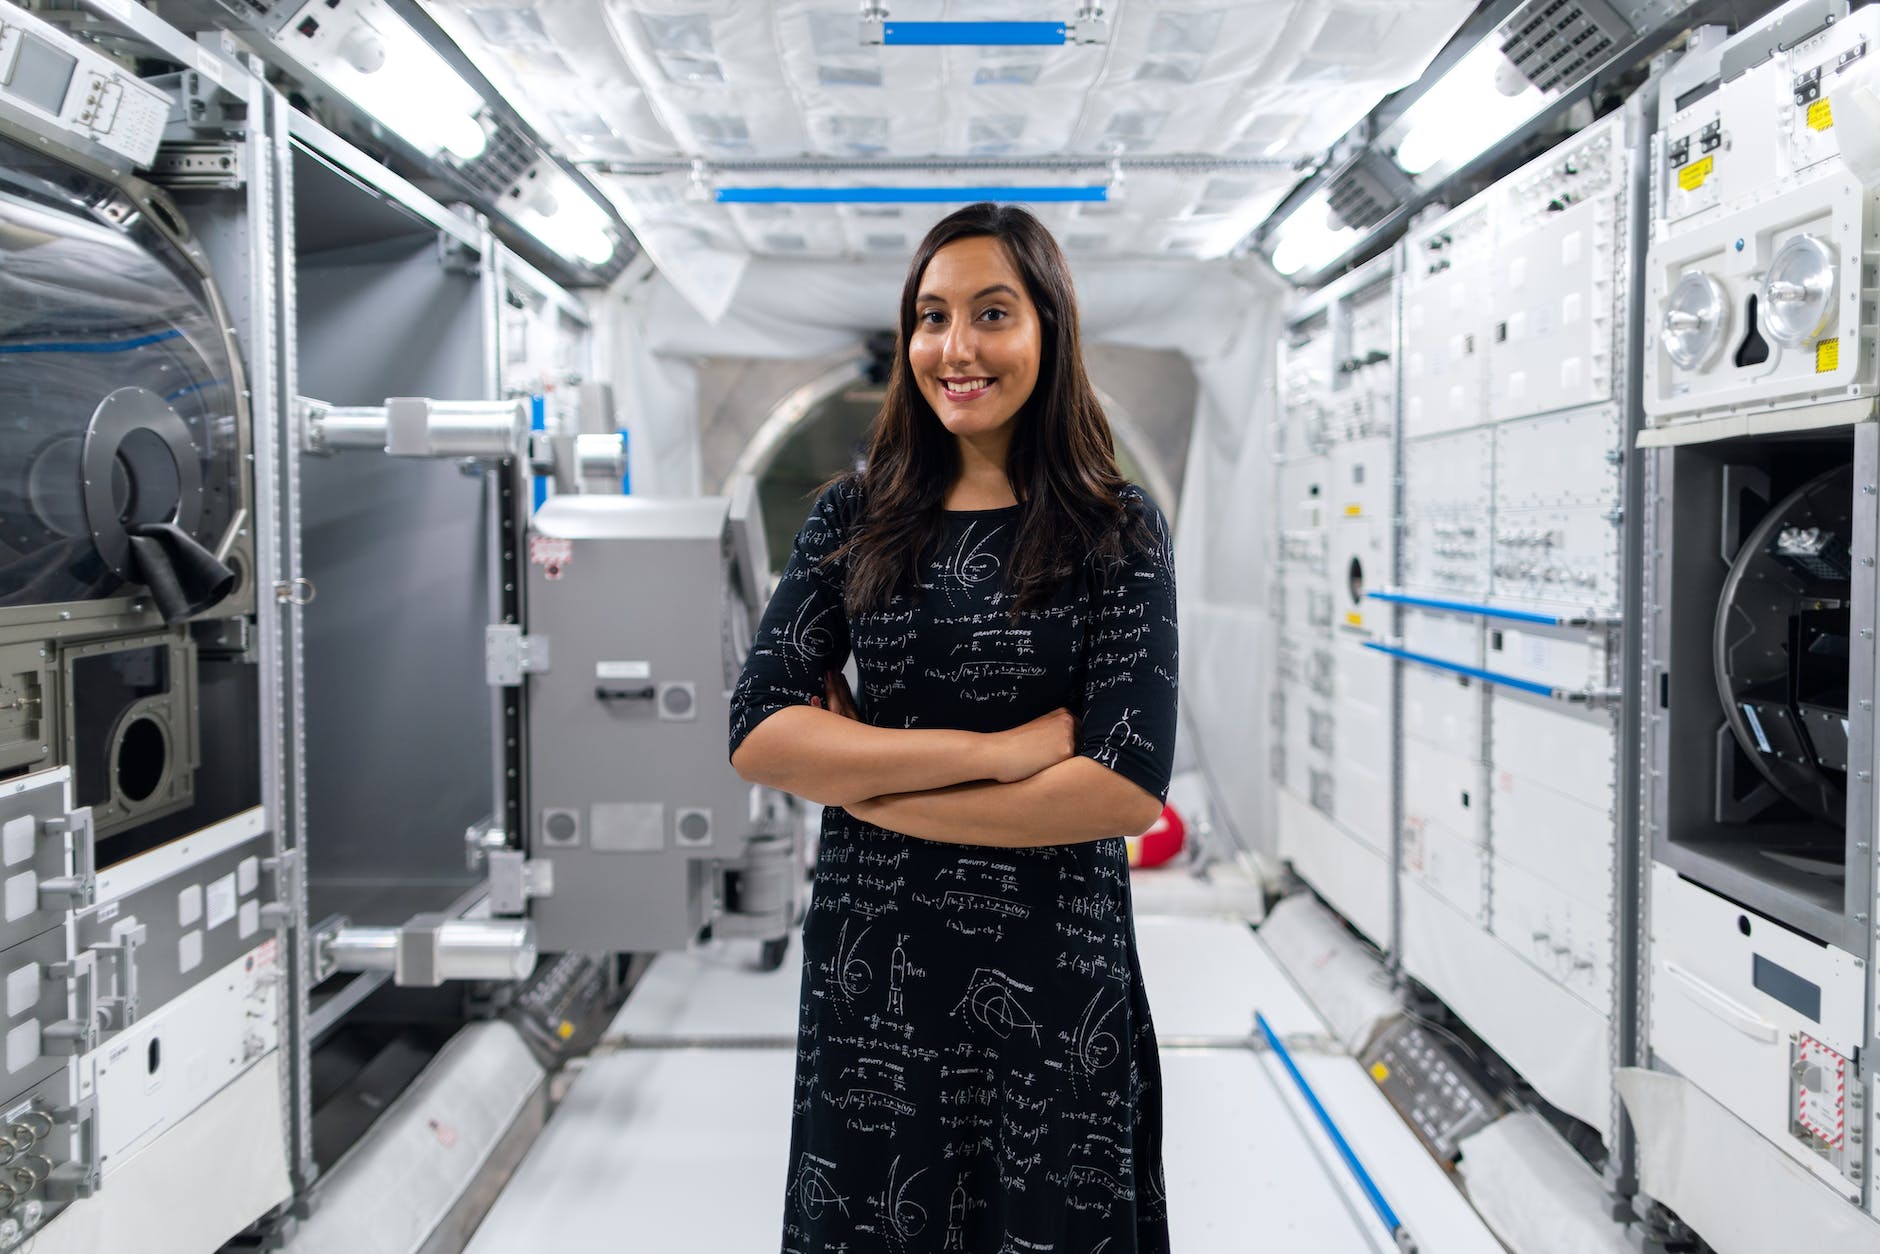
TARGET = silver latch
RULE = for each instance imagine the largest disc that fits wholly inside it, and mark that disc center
(508, 655)
(283, 911)
(515, 879)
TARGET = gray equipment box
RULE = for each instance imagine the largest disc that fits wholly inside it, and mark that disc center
(640, 613)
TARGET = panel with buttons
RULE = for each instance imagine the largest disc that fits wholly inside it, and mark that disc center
(52, 78)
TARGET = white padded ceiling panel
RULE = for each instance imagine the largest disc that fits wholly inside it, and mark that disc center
(1266, 82)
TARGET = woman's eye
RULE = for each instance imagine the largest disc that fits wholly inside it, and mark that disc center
(929, 316)
(994, 313)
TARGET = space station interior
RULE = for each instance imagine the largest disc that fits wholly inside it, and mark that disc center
(408, 407)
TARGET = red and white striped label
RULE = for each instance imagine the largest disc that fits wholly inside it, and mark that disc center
(1822, 1109)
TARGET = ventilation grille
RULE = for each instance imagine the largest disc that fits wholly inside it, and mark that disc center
(1556, 43)
(1365, 192)
(501, 163)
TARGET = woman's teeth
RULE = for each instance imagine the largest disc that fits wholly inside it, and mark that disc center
(973, 385)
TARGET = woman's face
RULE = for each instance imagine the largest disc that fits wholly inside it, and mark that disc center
(975, 346)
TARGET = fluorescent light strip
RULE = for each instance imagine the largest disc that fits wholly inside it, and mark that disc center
(978, 34)
(905, 195)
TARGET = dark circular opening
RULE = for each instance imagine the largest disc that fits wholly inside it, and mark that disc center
(155, 1054)
(146, 485)
(1742, 924)
(143, 756)
(1354, 575)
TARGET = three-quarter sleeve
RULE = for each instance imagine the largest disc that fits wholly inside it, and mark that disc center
(805, 631)
(1130, 674)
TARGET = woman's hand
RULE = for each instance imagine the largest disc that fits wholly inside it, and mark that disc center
(1031, 747)
(837, 698)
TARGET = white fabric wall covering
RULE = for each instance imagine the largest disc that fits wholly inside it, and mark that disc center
(1223, 552)
(1536, 1193)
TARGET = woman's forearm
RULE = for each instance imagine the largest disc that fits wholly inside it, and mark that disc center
(1076, 800)
(823, 757)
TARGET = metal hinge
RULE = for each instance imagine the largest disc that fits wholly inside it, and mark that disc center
(508, 655)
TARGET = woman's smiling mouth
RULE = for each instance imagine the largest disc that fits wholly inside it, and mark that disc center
(966, 389)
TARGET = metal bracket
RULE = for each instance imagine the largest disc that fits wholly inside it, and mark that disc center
(119, 1011)
(77, 1036)
(481, 839)
(81, 1177)
(515, 879)
(282, 912)
(79, 889)
(457, 257)
(200, 163)
(508, 655)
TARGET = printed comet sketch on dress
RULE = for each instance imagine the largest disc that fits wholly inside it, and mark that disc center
(976, 1064)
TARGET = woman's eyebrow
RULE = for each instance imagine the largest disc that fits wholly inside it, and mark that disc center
(979, 295)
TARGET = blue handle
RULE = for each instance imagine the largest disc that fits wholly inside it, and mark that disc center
(984, 34)
(1486, 611)
(1378, 1204)
(1474, 672)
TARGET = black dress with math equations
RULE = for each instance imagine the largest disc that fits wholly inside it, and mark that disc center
(976, 1066)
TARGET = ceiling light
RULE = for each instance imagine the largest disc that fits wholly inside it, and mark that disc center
(375, 59)
(549, 205)
(1482, 98)
(1088, 27)
(1306, 239)
(905, 195)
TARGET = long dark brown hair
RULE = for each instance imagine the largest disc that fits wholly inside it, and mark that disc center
(1061, 462)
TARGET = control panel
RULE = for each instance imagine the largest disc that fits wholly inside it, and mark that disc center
(54, 79)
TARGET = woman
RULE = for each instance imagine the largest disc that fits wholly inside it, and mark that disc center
(976, 1066)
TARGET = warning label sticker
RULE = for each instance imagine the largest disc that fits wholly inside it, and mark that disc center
(1828, 356)
(1820, 116)
(1821, 1092)
(1692, 176)
(551, 553)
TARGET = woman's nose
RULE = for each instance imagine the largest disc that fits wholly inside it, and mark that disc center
(957, 348)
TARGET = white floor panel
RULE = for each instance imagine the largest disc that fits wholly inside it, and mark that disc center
(1241, 1174)
(1206, 977)
(655, 1151)
(686, 1149)
(715, 990)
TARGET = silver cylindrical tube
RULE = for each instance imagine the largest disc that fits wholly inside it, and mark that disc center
(364, 949)
(350, 428)
(600, 461)
(419, 427)
(486, 949)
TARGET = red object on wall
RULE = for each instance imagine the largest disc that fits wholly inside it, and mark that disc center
(1162, 841)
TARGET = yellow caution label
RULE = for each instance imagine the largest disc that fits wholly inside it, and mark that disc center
(564, 1029)
(1380, 1072)
(1820, 116)
(1353, 511)
(1692, 176)
(1828, 356)
(1354, 620)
